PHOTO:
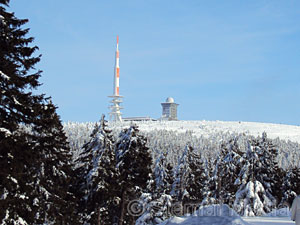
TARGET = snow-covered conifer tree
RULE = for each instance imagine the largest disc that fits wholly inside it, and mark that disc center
(97, 176)
(52, 172)
(35, 172)
(268, 171)
(208, 191)
(157, 201)
(224, 173)
(257, 181)
(290, 186)
(155, 210)
(250, 190)
(134, 166)
(189, 179)
(181, 173)
(196, 179)
(163, 175)
(229, 168)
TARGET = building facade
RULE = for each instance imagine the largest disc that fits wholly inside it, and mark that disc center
(169, 109)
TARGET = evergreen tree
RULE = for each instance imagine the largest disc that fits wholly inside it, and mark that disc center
(248, 201)
(134, 166)
(155, 210)
(226, 172)
(258, 179)
(97, 176)
(268, 172)
(290, 186)
(196, 179)
(157, 201)
(209, 188)
(163, 175)
(181, 173)
(53, 174)
(189, 179)
(35, 173)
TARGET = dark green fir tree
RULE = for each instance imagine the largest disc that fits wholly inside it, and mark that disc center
(97, 177)
(290, 186)
(52, 175)
(134, 165)
(34, 168)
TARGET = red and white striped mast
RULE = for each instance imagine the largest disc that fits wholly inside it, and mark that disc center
(117, 71)
(115, 114)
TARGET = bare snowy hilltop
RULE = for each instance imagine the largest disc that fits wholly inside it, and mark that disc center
(207, 128)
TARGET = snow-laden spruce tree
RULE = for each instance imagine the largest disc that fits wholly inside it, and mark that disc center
(97, 176)
(225, 170)
(155, 211)
(248, 201)
(208, 191)
(35, 172)
(157, 201)
(134, 167)
(52, 173)
(290, 186)
(181, 173)
(196, 180)
(16, 103)
(269, 173)
(189, 179)
(163, 175)
(258, 179)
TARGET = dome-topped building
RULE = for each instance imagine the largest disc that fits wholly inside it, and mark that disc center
(169, 109)
(170, 100)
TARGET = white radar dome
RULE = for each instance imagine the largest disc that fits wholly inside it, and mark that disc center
(170, 100)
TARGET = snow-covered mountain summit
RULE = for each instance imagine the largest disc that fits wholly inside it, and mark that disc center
(206, 128)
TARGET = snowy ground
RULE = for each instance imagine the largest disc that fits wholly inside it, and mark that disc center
(205, 220)
(268, 220)
(205, 128)
(218, 220)
(223, 215)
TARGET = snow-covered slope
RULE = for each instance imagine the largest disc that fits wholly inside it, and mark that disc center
(208, 215)
(223, 215)
(206, 128)
(226, 221)
(269, 221)
(206, 220)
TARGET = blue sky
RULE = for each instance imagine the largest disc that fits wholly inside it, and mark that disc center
(220, 60)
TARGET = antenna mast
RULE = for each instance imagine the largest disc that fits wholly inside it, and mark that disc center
(115, 114)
